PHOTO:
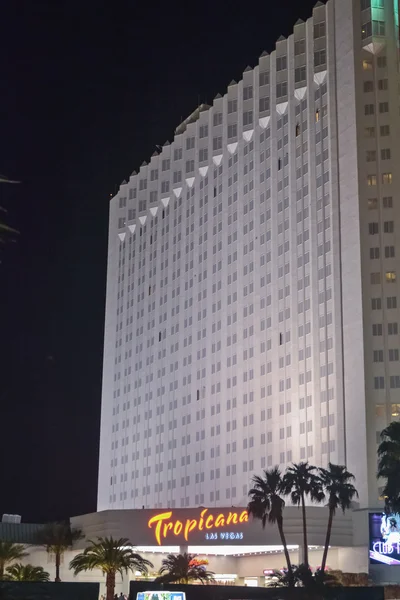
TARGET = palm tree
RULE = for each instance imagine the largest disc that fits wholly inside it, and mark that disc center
(267, 505)
(299, 482)
(183, 568)
(20, 572)
(337, 482)
(389, 465)
(10, 552)
(57, 538)
(112, 557)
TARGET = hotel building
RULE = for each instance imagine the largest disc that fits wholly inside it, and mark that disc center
(253, 306)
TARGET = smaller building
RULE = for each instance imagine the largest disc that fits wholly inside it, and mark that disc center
(238, 550)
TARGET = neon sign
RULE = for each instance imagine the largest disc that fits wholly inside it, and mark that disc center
(165, 524)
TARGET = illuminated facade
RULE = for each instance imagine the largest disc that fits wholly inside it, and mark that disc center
(252, 293)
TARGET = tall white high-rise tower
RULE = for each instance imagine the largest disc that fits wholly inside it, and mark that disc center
(253, 301)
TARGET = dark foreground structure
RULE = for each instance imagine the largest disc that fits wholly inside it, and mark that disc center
(21, 590)
(219, 592)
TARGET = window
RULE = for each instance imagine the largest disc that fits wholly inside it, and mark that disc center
(390, 276)
(371, 155)
(299, 47)
(374, 253)
(203, 154)
(383, 84)
(217, 119)
(319, 30)
(385, 154)
(319, 58)
(367, 64)
(395, 383)
(385, 130)
(393, 329)
(281, 89)
(232, 106)
(217, 143)
(396, 410)
(190, 142)
(369, 109)
(381, 62)
(393, 354)
(387, 202)
(166, 164)
(264, 104)
(365, 4)
(369, 132)
(386, 178)
(189, 166)
(177, 177)
(264, 78)
(376, 303)
(300, 74)
(383, 107)
(378, 356)
(389, 252)
(248, 92)
(366, 31)
(377, 329)
(391, 302)
(375, 278)
(203, 131)
(372, 203)
(373, 228)
(378, 27)
(281, 63)
(232, 131)
(247, 118)
(388, 226)
(368, 86)
(371, 180)
(178, 154)
(379, 383)
(164, 187)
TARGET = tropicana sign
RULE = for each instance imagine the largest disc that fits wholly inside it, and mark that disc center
(165, 523)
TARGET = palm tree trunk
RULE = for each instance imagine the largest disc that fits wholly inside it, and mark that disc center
(305, 540)
(110, 586)
(58, 561)
(284, 544)
(327, 540)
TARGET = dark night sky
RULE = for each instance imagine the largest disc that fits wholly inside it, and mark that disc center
(85, 94)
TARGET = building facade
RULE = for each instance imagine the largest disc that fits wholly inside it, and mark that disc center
(253, 280)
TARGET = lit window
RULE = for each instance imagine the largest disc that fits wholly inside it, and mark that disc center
(386, 178)
(380, 410)
(371, 180)
(366, 31)
(390, 276)
(396, 410)
(367, 65)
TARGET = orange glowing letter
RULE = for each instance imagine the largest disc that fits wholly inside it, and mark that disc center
(158, 519)
(220, 521)
(209, 522)
(232, 518)
(190, 525)
(244, 517)
(203, 512)
(177, 528)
